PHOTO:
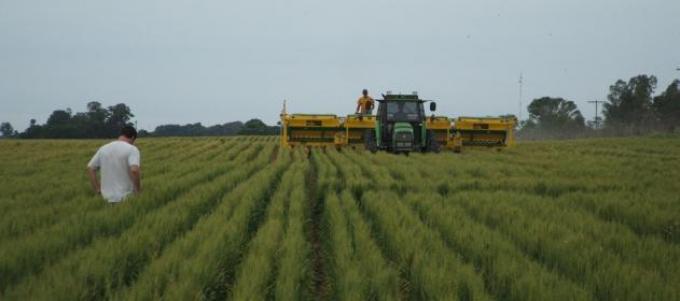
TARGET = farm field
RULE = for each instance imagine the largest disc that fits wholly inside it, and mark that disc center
(239, 218)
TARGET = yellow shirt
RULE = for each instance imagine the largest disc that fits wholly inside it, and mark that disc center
(365, 103)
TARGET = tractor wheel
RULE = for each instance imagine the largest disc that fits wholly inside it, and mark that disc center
(432, 144)
(369, 141)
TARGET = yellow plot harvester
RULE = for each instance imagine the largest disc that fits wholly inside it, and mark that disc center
(400, 126)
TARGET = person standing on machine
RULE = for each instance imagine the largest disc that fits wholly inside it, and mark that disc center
(365, 104)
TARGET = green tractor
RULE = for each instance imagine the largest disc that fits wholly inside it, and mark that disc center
(400, 126)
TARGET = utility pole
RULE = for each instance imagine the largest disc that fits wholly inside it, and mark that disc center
(521, 82)
(597, 120)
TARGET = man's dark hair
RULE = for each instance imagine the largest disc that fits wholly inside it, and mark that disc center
(129, 132)
(364, 91)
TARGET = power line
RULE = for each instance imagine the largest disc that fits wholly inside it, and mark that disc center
(597, 120)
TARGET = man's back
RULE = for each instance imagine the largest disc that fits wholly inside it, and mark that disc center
(114, 160)
(365, 103)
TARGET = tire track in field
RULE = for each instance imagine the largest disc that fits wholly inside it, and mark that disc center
(405, 289)
(405, 285)
(322, 286)
(295, 249)
(316, 206)
(332, 193)
(259, 266)
(357, 268)
(32, 254)
(275, 154)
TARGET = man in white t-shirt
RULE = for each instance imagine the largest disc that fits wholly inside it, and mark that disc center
(118, 162)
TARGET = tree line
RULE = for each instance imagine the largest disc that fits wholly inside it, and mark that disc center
(251, 127)
(631, 108)
(105, 122)
(96, 122)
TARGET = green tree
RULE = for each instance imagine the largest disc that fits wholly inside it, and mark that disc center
(196, 129)
(119, 115)
(257, 127)
(97, 116)
(96, 122)
(59, 118)
(630, 104)
(667, 106)
(7, 129)
(554, 114)
(33, 131)
(255, 124)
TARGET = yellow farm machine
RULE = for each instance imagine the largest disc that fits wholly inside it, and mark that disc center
(400, 125)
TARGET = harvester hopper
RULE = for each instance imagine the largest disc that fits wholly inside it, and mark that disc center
(400, 125)
(485, 131)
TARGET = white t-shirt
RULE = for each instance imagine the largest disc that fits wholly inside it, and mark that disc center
(114, 160)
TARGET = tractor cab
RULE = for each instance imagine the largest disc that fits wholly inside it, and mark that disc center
(400, 125)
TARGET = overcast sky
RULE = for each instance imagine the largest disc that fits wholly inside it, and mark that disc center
(215, 61)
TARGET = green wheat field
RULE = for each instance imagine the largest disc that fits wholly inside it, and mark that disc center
(242, 219)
